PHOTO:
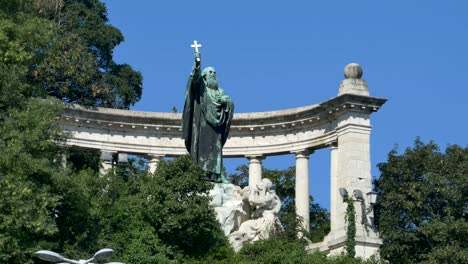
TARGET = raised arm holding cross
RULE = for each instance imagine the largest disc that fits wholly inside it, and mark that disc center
(196, 45)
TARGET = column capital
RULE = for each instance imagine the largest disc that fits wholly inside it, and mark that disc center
(303, 153)
(107, 162)
(253, 158)
(106, 155)
(154, 156)
(153, 161)
(332, 145)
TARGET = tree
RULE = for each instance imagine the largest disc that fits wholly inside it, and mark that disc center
(280, 251)
(180, 209)
(145, 218)
(28, 136)
(67, 48)
(42, 204)
(63, 49)
(79, 67)
(422, 208)
(284, 181)
(28, 165)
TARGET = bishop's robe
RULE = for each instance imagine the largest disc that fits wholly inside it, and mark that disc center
(205, 124)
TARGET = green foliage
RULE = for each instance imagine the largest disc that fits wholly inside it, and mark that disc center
(148, 219)
(22, 40)
(180, 208)
(351, 228)
(79, 67)
(65, 50)
(281, 251)
(76, 215)
(319, 219)
(422, 207)
(79, 159)
(27, 168)
(278, 251)
(28, 139)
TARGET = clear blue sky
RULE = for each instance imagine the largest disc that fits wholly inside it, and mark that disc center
(272, 55)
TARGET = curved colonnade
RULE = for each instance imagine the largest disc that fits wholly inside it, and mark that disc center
(341, 124)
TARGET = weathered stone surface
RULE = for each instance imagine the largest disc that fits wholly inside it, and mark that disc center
(353, 70)
(252, 134)
(302, 187)
(353, 83)
(229, 205)
(248, 214)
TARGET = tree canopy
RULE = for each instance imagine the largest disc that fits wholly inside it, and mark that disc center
(422, 210)
(65, 49)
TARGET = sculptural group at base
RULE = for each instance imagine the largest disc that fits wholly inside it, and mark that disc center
(247, 214)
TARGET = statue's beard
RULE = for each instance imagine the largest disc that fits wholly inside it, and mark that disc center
(212, 83)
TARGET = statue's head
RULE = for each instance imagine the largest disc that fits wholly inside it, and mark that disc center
(209, 76)
(267, 184)
(209, 71)
(264, 184)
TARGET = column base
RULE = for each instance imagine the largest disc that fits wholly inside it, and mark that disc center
(334, 245)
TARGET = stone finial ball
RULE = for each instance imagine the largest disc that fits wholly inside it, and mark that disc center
(353, 70)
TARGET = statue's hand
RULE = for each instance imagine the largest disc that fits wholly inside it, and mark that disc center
(222, 99)
(197, 59)
(226, 100)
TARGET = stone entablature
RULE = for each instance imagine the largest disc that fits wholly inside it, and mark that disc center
(261, 133)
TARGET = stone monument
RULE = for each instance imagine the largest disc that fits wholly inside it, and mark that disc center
(247, 214)
(206, 119)
(341, 124)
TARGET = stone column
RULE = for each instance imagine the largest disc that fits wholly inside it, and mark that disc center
(302, 186)
(335, 198)
(63, 160)
(106, 162)
(255, 169)
(153, 162)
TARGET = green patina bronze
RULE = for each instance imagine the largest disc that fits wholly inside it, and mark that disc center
(206, 120)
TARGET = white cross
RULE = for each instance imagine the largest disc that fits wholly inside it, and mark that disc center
(195, 45)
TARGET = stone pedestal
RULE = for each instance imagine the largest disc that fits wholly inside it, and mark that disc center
(302, 187)
(255, 170)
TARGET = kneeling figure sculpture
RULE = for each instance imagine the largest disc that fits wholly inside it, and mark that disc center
(247, 214)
